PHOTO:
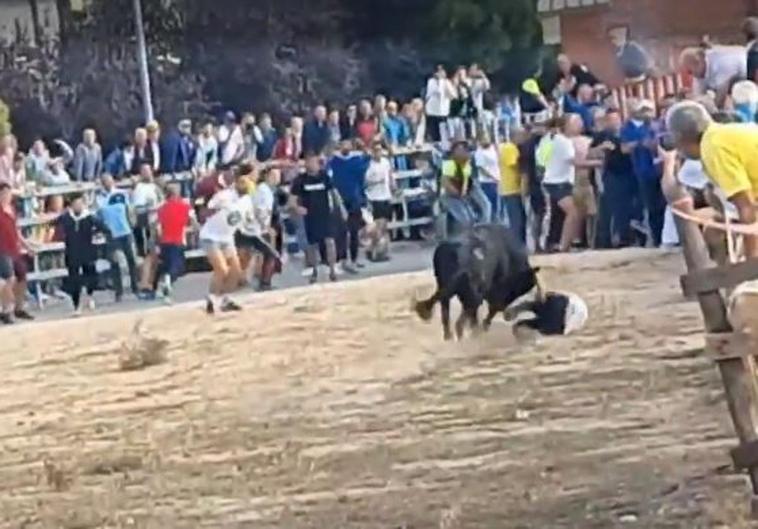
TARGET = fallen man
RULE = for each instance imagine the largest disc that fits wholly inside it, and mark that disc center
(555, 313)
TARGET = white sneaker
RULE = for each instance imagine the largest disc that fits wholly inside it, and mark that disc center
(91, 304)
(77, 312)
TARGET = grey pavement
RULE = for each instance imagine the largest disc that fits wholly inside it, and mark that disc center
(406, 257)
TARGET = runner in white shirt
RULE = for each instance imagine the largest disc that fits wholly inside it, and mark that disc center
(487, 160)
(254, 235)
(380, 186)
(230, 208)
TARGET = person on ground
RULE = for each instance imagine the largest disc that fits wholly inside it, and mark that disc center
(439, 93)
(13, 266)
(228, 208)
(380, 188)
(79, 227)
(88, 158)
(113, 209)
(314, 200)
(174, 217)
(640, 140)
(255, 237)
(729, 153)
(347, 171)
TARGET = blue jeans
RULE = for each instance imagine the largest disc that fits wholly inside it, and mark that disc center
(513, 215)
(480, 203)
(489, 189)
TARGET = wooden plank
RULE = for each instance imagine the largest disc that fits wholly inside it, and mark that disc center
(737, 374)
(712, 279)
(725, 346)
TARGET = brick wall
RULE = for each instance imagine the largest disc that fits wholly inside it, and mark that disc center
(664, 27)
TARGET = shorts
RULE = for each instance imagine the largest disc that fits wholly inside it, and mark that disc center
(381, 209)
(11, 267)
(558, 192)
(584, 196)
(318, 229)
(225, 247)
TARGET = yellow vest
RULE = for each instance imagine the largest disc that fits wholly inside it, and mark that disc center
(449, 171)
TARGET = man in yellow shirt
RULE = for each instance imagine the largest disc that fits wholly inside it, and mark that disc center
(510, 189)
(729, 153)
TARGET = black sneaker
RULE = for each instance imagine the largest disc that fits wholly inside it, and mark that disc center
(333, 276)
(314, 279)
(6, 319)
(209, 307)
(22, 314)
(230, 306)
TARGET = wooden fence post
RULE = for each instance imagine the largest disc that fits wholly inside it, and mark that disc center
(737, 371)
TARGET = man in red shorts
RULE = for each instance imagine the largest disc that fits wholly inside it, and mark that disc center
(12, 261)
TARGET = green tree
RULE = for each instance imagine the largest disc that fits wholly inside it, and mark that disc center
(487, 31)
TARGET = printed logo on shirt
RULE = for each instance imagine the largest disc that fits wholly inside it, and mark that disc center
(314, 187)
(234, 218)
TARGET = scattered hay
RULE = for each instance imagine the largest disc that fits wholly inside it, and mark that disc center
(140, 351)
(56, 477)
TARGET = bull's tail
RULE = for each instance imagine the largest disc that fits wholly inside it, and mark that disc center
(424, 308)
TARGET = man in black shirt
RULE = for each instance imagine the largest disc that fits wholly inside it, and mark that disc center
(315, 200)
(619, 184)
(573, 75)
(750, 30)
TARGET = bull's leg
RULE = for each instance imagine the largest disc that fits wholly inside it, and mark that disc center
(445, 314)
(492, 311)
(460, 324)
(473, 319)
(511, 313)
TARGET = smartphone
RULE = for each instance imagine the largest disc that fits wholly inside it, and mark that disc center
(666, 141)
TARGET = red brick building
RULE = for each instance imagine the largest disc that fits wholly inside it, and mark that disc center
(663, 27)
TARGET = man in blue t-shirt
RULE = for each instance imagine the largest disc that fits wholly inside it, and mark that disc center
(113, 209)
(583, 104)
(639, 138)
(347, 170)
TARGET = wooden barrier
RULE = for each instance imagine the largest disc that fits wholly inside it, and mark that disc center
(733, 352)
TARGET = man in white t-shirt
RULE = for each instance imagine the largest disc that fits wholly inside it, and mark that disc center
(230, 207)
(380, 186)
(487, 160)
(254, 234)
(715, 69)
(558, 183)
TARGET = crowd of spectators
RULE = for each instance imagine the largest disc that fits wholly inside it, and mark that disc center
(574, 171)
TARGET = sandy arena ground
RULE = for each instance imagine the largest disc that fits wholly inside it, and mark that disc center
(334, 407)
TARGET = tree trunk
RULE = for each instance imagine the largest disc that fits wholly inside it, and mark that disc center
(36, 26)
(65, 21)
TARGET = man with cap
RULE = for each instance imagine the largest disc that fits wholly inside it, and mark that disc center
(639, 139)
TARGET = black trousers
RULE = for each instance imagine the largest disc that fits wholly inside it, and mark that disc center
(80, 275)
(655, 205)
(433, 124)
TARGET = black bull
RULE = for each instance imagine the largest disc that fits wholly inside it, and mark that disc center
(486, 263)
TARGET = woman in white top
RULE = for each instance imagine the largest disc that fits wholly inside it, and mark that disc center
(230, 208)
(558, 183)
(380, 187)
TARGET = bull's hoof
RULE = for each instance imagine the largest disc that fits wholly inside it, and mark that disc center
(448, 336)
